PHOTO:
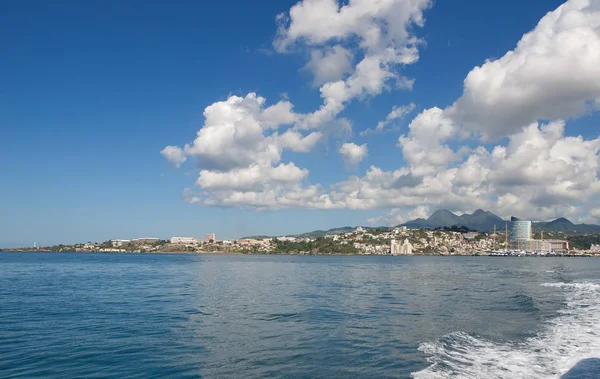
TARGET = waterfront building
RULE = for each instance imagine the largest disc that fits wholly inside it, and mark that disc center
(519, 234)
(559, 246)
(539, 246)
(397, 249)
(595, 248)
(211, 237)
(406, 248)
(146, 240)
(183, 241)
(394, 247)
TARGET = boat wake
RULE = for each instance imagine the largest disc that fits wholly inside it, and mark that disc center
(570, 338)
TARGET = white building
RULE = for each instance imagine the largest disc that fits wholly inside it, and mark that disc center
(184, 241)
(405, 249)
(595, 248)
(395, 248)
(117, 243)
(146, 240)
(211, 237)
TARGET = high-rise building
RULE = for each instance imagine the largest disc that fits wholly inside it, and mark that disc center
(406, 247)
(395, 247)
(519, 234)
(211, 237)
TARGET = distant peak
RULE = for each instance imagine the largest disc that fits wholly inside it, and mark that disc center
(442, 211)
(479, 211)
(562, 220)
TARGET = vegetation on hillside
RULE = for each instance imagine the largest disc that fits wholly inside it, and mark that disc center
(583, 241)
(318, 246)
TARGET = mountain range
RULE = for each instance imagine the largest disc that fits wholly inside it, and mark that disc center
(484, 221)
(480, 220)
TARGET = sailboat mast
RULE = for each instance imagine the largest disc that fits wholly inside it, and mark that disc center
(506, 236)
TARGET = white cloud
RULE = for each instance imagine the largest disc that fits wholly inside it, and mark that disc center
(329, 64)
(255, 176)
(553, 73)
(353, 154)
(424, 147)
(297, 142)
(233, 135)
(379, 30)
(174, 155)
(239, 153)
(555, 175)
(595, 213)
(375, 23)
(278, 114)
(398, 216)
(398, 112)
(538, 171)
(190, 197)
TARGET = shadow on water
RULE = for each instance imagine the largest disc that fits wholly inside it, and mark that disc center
(584, 369)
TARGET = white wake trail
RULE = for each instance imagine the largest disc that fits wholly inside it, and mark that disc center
(565, 340)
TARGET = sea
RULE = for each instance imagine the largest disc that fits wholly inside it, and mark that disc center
(83, 315)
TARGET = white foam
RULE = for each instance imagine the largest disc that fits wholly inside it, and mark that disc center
(572, 336)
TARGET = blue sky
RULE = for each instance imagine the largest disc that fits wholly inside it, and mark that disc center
(92, 92)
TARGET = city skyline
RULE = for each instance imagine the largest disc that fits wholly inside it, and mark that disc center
(244, 120)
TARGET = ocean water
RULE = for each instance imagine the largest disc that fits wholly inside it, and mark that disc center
(237, 316)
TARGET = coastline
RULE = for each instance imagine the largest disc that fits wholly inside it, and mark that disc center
(294, 254)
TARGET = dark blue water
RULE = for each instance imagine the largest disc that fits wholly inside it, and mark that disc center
(235, 316)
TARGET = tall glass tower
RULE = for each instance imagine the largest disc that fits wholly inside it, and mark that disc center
(520, 234)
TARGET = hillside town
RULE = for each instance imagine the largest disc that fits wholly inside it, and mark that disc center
(356, 241)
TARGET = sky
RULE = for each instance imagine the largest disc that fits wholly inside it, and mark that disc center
(178, 118)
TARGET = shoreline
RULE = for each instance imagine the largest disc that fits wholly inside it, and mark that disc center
(293, 254)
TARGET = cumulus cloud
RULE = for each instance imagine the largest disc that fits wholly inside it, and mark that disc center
(247, 178)
(375, 23)
(424, 147)
(397, 216)
(553, 73)
(353, 154)
(595, 213)
(174, 155)
(379, 31)
(536, 171)
(234, 134)
(398, 112)
(329, 64)
(540, 173)
(239, 149)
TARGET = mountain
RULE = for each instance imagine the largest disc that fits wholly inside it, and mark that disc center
(479, 220)
(484, 221)
(562, 225)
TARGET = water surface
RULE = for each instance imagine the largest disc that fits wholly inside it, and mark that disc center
(238, 316)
